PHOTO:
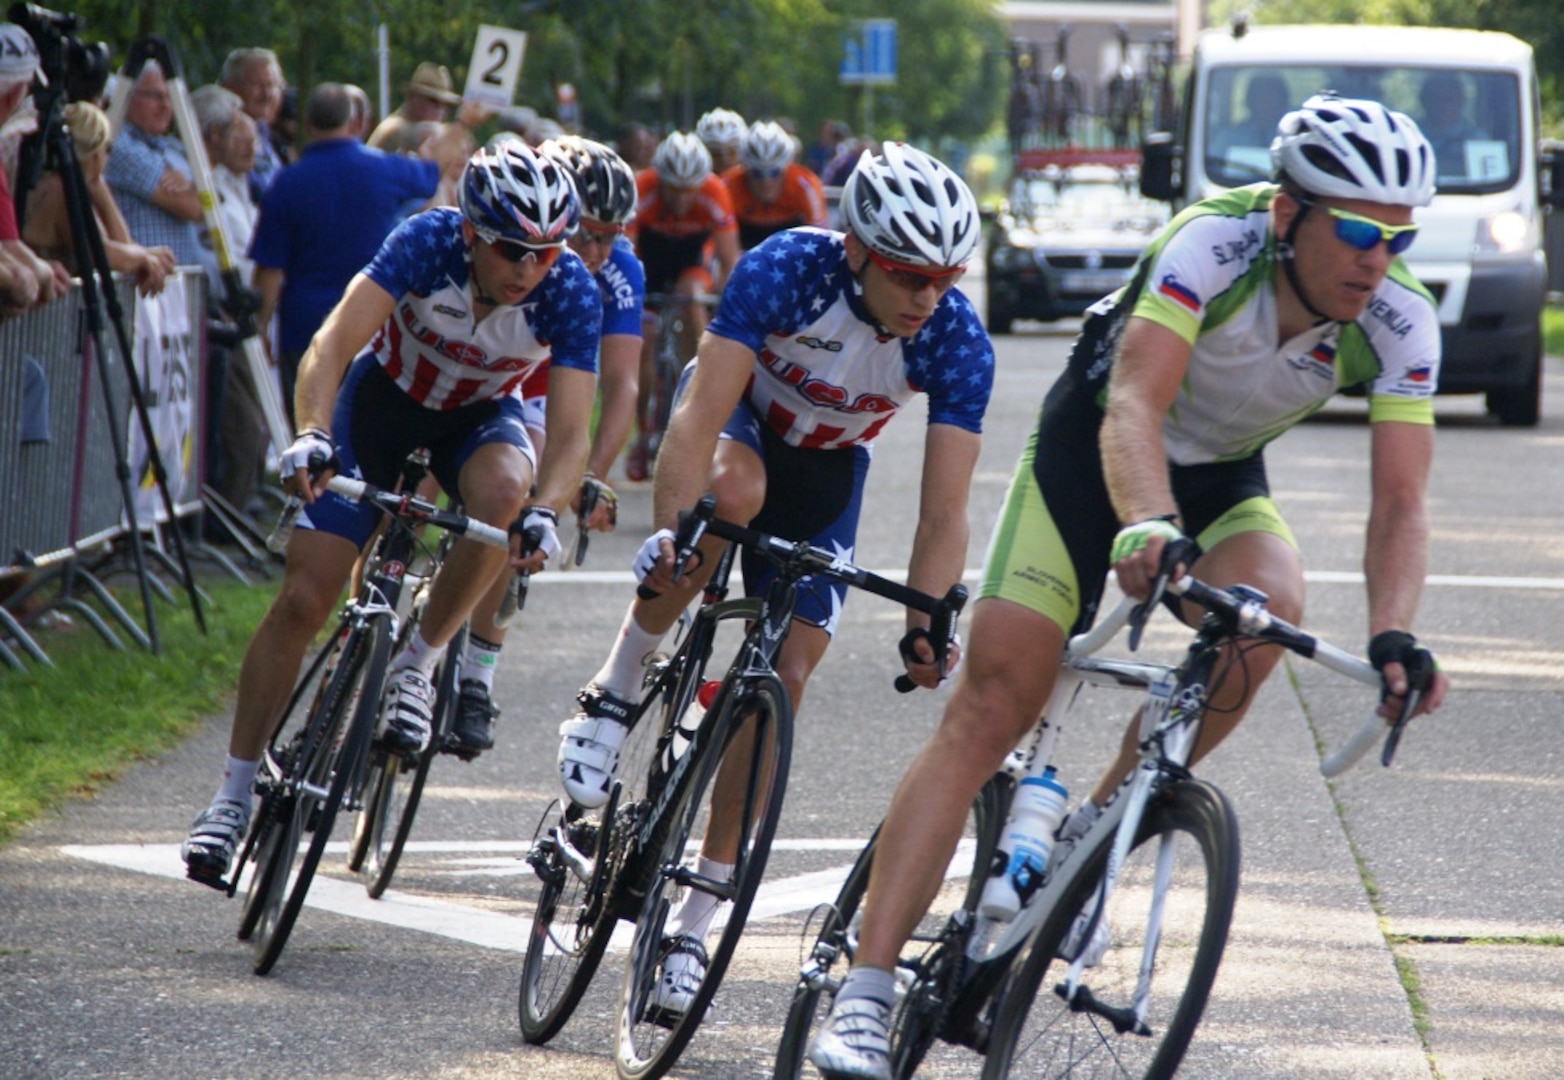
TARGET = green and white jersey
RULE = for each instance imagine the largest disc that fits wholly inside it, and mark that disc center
(1210, 278)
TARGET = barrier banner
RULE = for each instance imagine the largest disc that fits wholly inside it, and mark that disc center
(166, 363)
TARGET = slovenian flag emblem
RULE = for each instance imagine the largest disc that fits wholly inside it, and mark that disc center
(1323, 354)
(1178, 292)
(1421, 374)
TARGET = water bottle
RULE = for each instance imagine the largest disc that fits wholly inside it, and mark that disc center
(1022, 856)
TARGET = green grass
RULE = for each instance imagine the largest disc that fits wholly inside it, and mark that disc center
(66, 731)
(1553, 331)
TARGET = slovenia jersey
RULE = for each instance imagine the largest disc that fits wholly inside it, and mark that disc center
(1209, 277)
(431, 346)
(826, 375)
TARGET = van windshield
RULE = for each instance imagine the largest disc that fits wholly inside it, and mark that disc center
(1472, 118)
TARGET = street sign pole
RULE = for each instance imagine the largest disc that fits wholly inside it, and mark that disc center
(869, 60)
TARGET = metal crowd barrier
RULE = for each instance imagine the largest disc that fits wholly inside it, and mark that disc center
(61, 500)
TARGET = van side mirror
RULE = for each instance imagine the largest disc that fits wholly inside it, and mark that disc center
(1550, 162)
(1159, 166)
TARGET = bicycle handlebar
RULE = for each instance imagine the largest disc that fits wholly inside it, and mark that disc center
(1247, 616)
(943, 611)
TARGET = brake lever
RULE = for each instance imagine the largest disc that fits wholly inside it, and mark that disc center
(1418, 681)
(1178, 552)
(588, 504)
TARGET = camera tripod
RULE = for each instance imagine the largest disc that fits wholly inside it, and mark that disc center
(52, 145)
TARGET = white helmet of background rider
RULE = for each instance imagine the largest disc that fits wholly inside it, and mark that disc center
(908, 207)
(767, 146)
(682, 160)
(1354, 149)
(721, 127)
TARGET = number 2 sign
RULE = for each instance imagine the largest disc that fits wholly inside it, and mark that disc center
(496, 66)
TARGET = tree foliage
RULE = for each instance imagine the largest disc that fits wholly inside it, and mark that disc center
(662, 62)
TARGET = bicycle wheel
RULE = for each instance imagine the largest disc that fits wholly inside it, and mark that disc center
(326, 771)
(913, 1023)
(1191, 828)
(750, 730)
(577, 909)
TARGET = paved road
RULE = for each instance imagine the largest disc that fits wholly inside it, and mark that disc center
(1445, 867)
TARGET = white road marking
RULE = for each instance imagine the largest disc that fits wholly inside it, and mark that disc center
(477, 926)
(1323, 577)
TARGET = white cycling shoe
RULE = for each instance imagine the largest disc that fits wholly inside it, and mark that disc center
(590, 744)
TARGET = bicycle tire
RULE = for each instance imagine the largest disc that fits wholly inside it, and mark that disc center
(395, 785)
(574, 919)
(648, 1043)
(1037, 1034)
(330, 773)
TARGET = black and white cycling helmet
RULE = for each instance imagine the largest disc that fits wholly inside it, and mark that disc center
(908, 207)
(512, 192)
(1354, 149)
(605, 184)
(767, 146)
(682, 160)
(721, 127)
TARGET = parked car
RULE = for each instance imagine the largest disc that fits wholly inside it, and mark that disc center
(1066, 236)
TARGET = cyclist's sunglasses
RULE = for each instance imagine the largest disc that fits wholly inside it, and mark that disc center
(604, 237)
(515, 251)
(917, 278)
(765, 174)
(1364, 233)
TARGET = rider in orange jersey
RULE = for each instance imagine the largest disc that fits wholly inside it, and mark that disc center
(770, 191)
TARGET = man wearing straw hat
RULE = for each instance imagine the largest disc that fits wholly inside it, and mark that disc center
(427, 96)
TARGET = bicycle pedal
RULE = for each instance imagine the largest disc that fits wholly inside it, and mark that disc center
(211, 881)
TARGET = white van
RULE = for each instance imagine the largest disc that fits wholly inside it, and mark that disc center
(1474, 94)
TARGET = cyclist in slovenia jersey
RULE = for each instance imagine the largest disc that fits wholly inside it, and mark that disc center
(819, 340)
(770, 191)
(1246, 315)
(424, 350)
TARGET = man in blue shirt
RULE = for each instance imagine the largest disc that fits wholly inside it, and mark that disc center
(325, 216)
(149, 175)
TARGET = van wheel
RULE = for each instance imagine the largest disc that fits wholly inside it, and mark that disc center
(1521, 406)
(999, 321)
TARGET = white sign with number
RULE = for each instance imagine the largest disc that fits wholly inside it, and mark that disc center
(496, 66)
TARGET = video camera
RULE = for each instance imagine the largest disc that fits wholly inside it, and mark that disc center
(67, 61)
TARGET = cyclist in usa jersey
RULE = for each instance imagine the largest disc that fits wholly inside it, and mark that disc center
(1247, 314)
(424, 350)
(819, 340)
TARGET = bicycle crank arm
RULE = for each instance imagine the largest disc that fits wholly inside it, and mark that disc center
(1123, 1020)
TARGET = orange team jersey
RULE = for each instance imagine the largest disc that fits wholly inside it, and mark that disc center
(802, 202)
(669, 246)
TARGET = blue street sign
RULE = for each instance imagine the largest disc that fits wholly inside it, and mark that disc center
(870, 58)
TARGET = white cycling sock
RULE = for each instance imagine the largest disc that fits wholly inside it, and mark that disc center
(864, 981)
(238, 777)
(621, 672)
(693, 919)
(480, 660)
(419, 654)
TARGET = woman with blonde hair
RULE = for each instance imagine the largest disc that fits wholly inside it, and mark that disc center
(47, 229)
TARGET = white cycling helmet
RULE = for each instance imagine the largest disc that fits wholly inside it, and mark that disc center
(682, 160)
(906, 206)
(721, 127)
(767, 145)
(1354, 149)
(604, 183)
(512, 192)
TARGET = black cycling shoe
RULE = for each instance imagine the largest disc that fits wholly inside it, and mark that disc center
(473, 729)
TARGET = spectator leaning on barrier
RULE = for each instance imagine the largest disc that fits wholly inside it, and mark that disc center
(47, 228)
(25, 279)
(149, 175)
(236, 436)
(256, 76)
(427, 96)
(327, 214)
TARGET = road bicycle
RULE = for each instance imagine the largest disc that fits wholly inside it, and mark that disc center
(627, 861)
(323, 756)
(1106, 971)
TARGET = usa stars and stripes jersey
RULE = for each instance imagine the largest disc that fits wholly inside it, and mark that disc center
(1210, 278)
(826, 376)
(431, 346)
(622, 284)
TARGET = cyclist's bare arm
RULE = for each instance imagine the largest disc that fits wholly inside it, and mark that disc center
(619, 358)
(1147, 372)
(939, 548)
(363, 309)
(1395, 554)
(569, 415)
(684, 462)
